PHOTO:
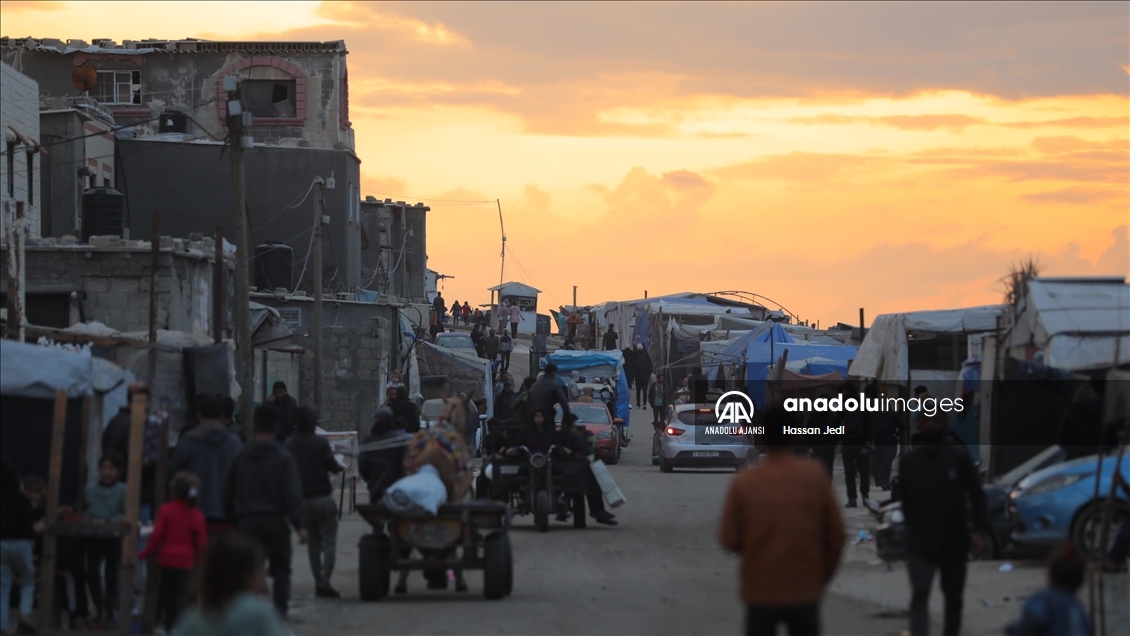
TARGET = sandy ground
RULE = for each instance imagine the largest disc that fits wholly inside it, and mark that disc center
(660, 572)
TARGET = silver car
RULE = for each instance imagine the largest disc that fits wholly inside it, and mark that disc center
(685, 441)
(456, 340)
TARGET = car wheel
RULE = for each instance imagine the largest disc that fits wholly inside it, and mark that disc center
(1086, 532)
(664, 465)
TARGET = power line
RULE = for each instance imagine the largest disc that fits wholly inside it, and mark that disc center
(122, 127)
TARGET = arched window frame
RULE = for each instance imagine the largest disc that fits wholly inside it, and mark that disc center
(293, 70)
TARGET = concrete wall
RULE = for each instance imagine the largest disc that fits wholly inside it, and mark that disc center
(111, 285)
(62, 184)
(187, 78)
(359, 346)
(390, 226)
(19, 108)
(191, 184)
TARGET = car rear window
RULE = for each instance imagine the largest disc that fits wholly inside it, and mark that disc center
(698, 416)
(460, 341)
(585, 413)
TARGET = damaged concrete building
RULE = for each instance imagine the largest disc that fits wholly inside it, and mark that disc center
(167, 99)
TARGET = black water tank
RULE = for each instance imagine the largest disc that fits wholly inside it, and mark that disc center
(274, 266)
(173, 121)
(103, 213)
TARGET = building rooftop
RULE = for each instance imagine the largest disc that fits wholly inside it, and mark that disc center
(151, 45)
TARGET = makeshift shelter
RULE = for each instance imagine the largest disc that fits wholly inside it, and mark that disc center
(1076, 324)
(447, 372)
(728, 355)
(598, 364)
(760, 356)
(32, 375)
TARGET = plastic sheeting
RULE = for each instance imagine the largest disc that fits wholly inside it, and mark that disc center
(761, 356)
(1079, 324)
(434, 360)
(735, 352)
(33, 371)
(967, 320)
(577, 360)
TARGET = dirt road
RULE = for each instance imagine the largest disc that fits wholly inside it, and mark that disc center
(659, 572)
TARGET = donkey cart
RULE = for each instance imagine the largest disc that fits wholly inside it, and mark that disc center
(469, 535)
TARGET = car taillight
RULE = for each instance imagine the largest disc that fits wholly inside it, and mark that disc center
(675, 432)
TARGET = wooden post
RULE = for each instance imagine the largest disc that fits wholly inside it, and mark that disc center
(244, 361)
(138, 408)
(154, 264)
(320, 208)
(54, 479)
(80, 499)
(862, 330)
(218, 290)
(14, 236)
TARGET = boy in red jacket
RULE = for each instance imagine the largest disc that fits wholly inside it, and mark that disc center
(179, 537)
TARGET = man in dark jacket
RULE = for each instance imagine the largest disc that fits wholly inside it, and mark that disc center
(520, 406)
(287, 408)
(936, 480)
(642, 367)
(261, 493)
(490, 345)
(116, 438)
(207, 451)
(546, 393)
(404, 412)
(380, 467)
(439, 307)
(315, 460)
(610, 338)
(629, 365)
(17, 531)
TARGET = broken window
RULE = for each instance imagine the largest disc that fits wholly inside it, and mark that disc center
(269, 98)
(119, 88)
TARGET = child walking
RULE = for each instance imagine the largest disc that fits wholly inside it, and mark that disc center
(230, 593)
(179, 536)
(1056, 610)
(105, 503)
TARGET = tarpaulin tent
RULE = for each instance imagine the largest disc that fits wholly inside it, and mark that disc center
(761, 355)
(598, 363)
(733, 354)
(1077, 323)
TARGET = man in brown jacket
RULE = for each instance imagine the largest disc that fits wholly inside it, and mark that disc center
(782, 518)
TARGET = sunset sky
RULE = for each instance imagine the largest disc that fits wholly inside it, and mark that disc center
(828, 156)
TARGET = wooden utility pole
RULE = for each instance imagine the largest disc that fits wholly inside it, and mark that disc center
(320, 210)
(237, 118)
(574, 297)
(46, 587)
(138, 416)
(14, 236)
(218, 290)
(154, 264)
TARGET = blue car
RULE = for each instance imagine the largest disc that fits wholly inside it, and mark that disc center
(1058, 504)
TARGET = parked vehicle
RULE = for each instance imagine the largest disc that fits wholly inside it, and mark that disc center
(456, 340)
(430, 411)
(599, 421)
(1059, 504)
(890, 537)
(686, 441)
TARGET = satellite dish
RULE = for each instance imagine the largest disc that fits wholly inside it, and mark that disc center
(84, 77)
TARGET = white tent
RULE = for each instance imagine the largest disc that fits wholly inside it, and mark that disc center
(883, 352)
(1077, 323)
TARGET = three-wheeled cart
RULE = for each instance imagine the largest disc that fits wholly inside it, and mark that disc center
(469, 535)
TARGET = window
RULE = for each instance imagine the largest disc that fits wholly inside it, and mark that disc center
(119, 87)
(270, 99)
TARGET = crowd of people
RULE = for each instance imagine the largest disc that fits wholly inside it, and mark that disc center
(232, 504)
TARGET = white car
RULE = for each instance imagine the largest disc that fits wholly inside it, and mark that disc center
(456, 340)
(685, 441)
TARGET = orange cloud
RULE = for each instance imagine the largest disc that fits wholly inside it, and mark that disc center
(1075, 196)
(1073, 122)
(902, 122)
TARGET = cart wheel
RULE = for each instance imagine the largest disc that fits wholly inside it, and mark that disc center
(579, 510)
(498, 570)
(373, 566)
(541, 511)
